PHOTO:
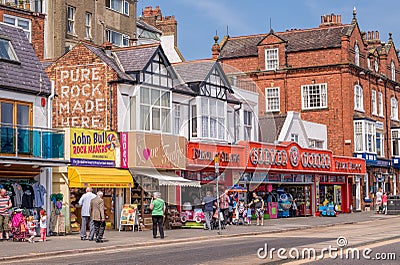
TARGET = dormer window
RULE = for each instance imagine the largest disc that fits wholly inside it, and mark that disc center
(271, 59)
(356, 55)
(7, 51)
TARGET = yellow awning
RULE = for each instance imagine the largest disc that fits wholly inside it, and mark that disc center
(82, 177)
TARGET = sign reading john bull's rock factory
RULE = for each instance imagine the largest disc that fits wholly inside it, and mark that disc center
(82, 96)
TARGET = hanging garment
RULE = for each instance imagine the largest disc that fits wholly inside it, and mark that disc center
(18, 194)
(39, 191)
(27, 198)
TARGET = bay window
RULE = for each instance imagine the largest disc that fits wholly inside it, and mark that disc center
(155, 109)
(365, 136)
(395, 142)
(211, 119)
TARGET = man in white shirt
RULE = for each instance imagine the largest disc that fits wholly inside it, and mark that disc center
(85, 213)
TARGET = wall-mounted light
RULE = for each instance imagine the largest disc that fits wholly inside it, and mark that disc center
(313, 81)
(7, 165)
(362, 73)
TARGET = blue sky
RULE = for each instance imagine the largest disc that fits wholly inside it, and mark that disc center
(198, 20)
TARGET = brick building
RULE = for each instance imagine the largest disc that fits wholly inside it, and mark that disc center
(31, 22)
(336, 75)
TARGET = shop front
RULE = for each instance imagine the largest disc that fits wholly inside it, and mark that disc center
(288, 174)
(92, 155)
(201, 167)
(156, 162)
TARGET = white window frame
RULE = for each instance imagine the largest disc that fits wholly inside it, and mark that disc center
(7, 49)
(88, 25)
(364, 136)
(307, 98)
(294, 137)
(374, 109)
(272, 99)
(247, 125)
(393, 70)
(316, 144)
(28, 31)
(71, 12)
(380, 140)
(394, 109)
(380, 104)
(271, 59)
(395, 133)
(212, 118)
(356, 55)
(358, 98)
(149, 106)
(123, 39)
(123, 9)
(177, 118)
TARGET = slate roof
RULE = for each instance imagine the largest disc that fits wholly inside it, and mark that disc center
(134, 59)
(194, 71)
(297, 40)
(100, 52)
(271, 127)
(143, 25)
(25, 75)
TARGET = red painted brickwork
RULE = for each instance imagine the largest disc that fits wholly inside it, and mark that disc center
(37, 26)
(84, 94)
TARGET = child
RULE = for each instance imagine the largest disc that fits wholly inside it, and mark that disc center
(248, 215)
(31, 228)
(43, 225)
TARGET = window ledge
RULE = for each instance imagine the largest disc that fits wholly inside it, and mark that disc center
(315, 109)
(116, 11)
(360, 110)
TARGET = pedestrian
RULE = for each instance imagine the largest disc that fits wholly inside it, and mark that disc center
(224, 206)
(30, 223)
(378, 200)
(258, 203)
(84, 201)
(384, 202)
(157, 207)
(294, 208)
(5, 205)
(43, 225)
(209, 205)
(231, 206)
(98, 217)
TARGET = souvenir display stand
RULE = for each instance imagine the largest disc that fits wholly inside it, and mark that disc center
(129, 217)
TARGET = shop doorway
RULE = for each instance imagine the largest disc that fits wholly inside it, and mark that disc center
(331, 194)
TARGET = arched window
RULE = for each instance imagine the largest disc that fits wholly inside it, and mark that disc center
(358, 98)
(393, 71)
(395, 109)
(356, 55)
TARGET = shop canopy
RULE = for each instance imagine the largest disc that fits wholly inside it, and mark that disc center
(167, 178)
(81, 177)
(236, 188)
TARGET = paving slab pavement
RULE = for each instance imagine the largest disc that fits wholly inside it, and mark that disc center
(57, 245)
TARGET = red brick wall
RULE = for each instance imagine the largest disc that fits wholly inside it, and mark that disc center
(81, 83)
(37, 26)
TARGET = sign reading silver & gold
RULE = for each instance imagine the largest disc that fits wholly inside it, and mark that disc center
(268, 156)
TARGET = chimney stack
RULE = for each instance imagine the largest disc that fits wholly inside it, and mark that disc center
(331, 20)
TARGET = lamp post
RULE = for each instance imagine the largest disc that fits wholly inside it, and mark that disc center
(216, 166)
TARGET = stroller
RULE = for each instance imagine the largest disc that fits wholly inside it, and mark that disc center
(19, 228)
(240, 214)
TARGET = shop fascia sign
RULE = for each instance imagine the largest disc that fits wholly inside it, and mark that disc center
(92, 147)
(278, 156)
(348, 166)
(224, 157)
